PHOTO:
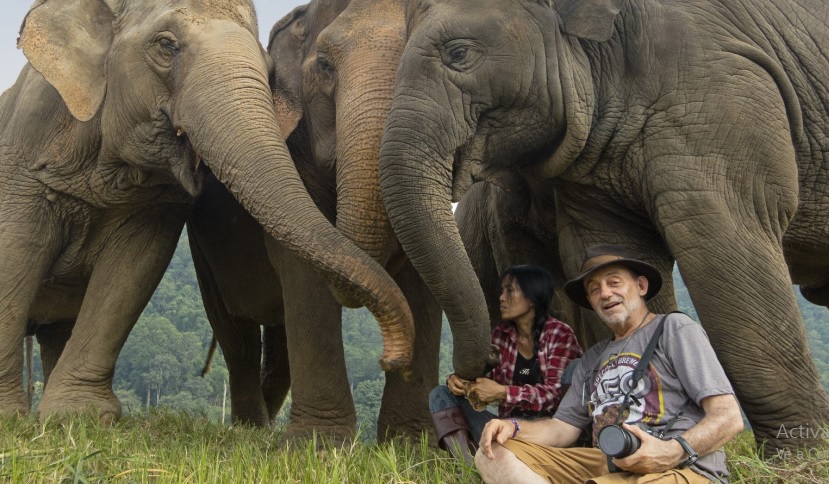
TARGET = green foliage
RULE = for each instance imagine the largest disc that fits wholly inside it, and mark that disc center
(367, 396)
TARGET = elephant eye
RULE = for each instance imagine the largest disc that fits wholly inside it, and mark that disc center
(324, 64)
(461, 55)
(164, 49)
(458, 55)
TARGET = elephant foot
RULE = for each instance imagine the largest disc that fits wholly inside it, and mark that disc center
(57, 401)
(412, 429)
(251, 412)
(14, 406)
(322, 437)
(248, 420)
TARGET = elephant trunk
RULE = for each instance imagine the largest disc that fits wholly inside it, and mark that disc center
(365, 96)
(416, 184)
(226, 110)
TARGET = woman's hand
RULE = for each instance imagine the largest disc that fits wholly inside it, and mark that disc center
(488, 391)
(457, 385)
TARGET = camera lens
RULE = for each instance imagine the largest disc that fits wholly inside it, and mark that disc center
(617, 442)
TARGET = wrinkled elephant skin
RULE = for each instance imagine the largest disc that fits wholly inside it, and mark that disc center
(106, 137)
(334, 67)
(689, 132)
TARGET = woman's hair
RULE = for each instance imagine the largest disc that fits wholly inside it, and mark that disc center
(537, 285)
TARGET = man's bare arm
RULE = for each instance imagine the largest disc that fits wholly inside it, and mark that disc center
(721, 423)
(551, 432)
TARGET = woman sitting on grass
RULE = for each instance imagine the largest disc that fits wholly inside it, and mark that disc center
(533, 349)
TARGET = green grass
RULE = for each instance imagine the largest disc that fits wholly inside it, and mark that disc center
(170, 447)
(804, 466)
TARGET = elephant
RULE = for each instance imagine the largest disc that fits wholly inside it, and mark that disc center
(334, 67)
(500, 227)
(107, 135)
(693, 132)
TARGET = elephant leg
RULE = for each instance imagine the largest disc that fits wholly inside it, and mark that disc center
(52, 339)
(740, 284)
(240, 340)
(126, 273)
(276, 375)
(404, 409)
(321, 398)
(241, 343)
(25, 255)
(725, 224)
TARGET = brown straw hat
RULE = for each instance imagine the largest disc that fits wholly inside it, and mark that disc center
(598, 257)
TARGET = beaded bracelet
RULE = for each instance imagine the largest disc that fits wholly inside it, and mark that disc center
(517, 427)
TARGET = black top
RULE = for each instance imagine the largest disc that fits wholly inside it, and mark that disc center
(527, 371)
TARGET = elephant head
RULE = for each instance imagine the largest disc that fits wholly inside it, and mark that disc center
(334, 67)
(337, 76)
(172, 86)
(477, 96)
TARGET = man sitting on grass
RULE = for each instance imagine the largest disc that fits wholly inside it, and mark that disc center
(678, 407)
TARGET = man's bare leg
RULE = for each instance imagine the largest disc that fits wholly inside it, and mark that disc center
(505, 468)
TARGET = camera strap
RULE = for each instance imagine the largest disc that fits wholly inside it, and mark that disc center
(639, 371)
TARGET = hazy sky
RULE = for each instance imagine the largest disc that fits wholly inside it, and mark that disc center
(13, 11)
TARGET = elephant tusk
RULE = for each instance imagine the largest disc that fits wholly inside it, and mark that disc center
(179, 132)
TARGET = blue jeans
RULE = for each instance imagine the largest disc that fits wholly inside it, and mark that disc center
(440, 398)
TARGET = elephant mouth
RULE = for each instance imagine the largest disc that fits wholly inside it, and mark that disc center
(187, 169)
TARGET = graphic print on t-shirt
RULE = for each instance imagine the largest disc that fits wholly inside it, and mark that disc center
(612, 382)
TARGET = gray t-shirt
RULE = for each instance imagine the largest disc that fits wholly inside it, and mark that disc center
(683, 365)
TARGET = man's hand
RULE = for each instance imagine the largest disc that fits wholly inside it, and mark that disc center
(497, 430)
(457, 385)
(488, 391)
(653, 455)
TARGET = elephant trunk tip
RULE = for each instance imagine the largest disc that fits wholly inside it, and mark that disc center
(401, 365)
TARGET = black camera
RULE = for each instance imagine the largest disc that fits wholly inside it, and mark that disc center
(617, 442)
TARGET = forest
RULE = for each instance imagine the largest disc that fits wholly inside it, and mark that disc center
(161, 362)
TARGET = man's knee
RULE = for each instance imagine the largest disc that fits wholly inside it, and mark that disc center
(483, 463)
(491, 469)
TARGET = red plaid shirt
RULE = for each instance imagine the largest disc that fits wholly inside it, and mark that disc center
(557, 347)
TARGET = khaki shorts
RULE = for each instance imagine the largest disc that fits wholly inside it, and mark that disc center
(581, 465)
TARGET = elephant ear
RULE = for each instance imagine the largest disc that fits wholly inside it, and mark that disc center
(285, 47)
(67, 42)
(588, 19)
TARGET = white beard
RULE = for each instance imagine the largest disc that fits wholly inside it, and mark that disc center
(618, 318)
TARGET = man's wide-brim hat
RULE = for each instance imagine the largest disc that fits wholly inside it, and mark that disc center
(597, 257)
